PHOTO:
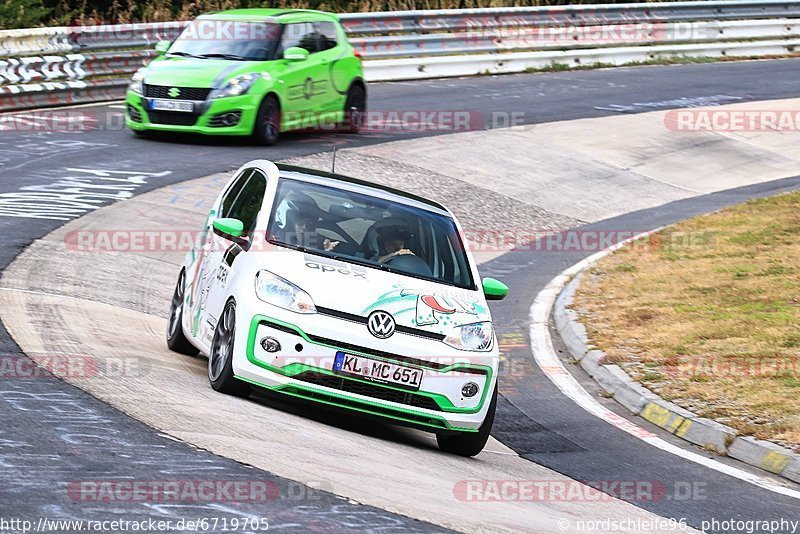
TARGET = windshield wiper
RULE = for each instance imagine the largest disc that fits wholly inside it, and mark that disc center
(182, 54)
(301, 248)
(334, 256)
(233, 57)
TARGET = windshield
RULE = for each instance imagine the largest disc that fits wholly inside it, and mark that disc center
(227, 39)
(359, 228)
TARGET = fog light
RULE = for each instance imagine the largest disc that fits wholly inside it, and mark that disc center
(229, 119)
(270, 344)
(470, 389)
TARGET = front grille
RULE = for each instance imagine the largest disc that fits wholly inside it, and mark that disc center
(134, 114)
(186, 93)
(173, 118)
(369, 390)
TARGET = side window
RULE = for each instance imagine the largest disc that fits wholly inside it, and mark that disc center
(233, 193)
(248, 201)
(299, 34)
(327, 35)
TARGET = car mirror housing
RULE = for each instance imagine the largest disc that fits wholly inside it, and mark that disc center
(162, 47)
(295, 53)
(229, 227)
(494, 289)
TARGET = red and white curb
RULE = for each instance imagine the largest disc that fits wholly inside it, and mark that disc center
(546, 358)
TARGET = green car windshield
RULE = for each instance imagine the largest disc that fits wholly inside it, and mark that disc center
(228, 39)
(362, 229)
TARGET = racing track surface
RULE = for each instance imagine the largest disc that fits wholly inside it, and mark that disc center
(45, 417)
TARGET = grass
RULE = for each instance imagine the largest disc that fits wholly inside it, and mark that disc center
(707, 315)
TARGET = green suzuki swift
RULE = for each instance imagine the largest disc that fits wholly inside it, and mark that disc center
(255, 72)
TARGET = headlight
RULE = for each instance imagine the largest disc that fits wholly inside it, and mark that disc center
(475, 336)
(279, 292)
(137, 83)
(239, 85)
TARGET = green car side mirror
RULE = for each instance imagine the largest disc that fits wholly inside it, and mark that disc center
(295, 53)
(494, 289)
(229, 227)
(162, 47)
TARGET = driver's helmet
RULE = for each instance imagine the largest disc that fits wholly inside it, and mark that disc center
(386, 230)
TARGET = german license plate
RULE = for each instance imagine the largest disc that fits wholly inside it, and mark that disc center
(377, 371)
(172, 105)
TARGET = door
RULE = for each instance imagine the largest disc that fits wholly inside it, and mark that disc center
(243, 205)
(306, 81)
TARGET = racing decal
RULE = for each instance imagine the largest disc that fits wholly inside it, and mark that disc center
(429, 309)
(308, 89)
(222, 275)
(327, 265)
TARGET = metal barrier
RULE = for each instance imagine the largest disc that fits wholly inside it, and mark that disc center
(52, 66)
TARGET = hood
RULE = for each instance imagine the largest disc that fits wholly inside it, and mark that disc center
(359, 290)
(188, 72)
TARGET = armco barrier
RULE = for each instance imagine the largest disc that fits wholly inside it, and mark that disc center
(65, 65)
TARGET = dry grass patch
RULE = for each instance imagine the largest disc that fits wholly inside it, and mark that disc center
(707, 315)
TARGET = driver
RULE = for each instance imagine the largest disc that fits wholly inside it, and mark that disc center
(393, 240)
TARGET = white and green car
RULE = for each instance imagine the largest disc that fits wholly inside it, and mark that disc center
(345, 293)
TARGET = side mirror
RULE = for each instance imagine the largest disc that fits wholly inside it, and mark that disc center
(162, 47)
(228, 227)
(494, 289)
(295, 53)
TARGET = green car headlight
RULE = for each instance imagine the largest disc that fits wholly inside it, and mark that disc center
(474, 336)
(238, 85)
(279, 292)
(137, 83)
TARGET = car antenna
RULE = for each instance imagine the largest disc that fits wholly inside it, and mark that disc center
(333, 162)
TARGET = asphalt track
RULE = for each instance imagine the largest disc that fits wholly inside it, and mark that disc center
(41, 416)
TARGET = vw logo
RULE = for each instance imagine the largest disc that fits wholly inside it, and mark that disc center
(380, 324)
(174, 92)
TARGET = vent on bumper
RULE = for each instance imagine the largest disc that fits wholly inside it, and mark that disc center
(368, 390)
(184, 93)
(173, 118)
(134, 114)
(369, 408)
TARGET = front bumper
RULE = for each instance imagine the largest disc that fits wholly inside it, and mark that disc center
(437, 406)
(204, 117)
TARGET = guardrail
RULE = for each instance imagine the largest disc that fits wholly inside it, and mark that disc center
(53, 66)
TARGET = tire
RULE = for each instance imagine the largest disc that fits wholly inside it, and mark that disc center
(470, 443)
(220, 361)
(354, 109)
(267, 129)
(176, 340)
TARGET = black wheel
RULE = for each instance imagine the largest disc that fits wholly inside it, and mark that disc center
(176, 340)
(470, 443)
(267, 128)
(220, 361)
(355, 107)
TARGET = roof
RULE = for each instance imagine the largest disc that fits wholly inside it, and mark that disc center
(363, 183)
(281, 15)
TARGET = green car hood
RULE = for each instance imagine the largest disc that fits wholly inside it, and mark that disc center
(188, 72)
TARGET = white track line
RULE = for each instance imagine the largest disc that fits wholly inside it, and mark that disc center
(545, 355)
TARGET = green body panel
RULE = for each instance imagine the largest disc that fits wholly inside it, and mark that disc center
(296, 368)
(311, 93)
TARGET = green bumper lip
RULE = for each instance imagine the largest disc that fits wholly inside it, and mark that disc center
(293, 369)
